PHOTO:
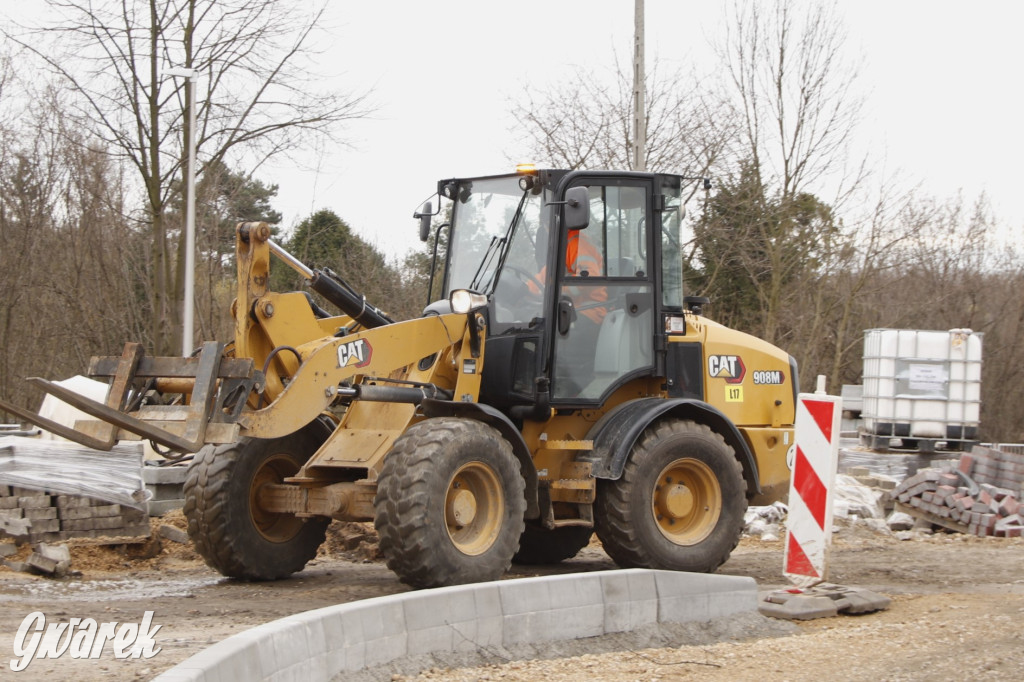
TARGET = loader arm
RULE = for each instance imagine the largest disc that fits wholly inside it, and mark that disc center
(332, 363)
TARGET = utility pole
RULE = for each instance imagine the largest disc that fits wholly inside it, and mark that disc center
(188, 312)
(639, 104)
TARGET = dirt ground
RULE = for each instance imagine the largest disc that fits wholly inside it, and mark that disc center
(957, 612)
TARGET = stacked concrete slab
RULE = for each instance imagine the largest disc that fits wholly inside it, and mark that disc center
(165, 485)
(321, 644)
(980, 495)
(29, 515)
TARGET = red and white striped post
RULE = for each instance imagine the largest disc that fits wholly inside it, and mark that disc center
(809, 522)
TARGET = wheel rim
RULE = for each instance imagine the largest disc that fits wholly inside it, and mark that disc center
(687, 501)
(473, 508)
(273, 526)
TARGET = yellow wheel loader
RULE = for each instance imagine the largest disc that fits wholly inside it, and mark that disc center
(562, 386)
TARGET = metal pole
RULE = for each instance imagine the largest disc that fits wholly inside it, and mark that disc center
(188, 331)
(639, 105)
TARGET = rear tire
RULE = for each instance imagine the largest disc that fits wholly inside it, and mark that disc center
(679, 503)
(450, 503)
(225, 522)
(540, 546)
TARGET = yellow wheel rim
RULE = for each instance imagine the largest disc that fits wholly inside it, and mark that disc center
(474, 507)
(271, 525)
(687, 501)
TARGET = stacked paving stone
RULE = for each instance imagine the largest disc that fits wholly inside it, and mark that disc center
(34, 516)
(864, 476)
(980, 495)
(165, 486)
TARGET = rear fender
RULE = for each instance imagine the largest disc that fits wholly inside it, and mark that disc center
(618, 431)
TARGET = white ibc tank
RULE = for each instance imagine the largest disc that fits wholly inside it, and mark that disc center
(922, 384)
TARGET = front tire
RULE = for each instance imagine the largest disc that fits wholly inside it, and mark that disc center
(450, 503)
(679, 503)
(229, 529)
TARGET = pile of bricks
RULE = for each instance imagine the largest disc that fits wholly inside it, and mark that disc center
(1000, 465)
(980, 495)
(34, 516)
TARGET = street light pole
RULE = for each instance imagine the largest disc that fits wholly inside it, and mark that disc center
(639, 103)
(188, 314)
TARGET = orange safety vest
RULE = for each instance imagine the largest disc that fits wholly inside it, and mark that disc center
(581, 256)
(590, 262)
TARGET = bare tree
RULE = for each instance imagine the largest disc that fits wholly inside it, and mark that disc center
(72, 268)
(952, 271)
(796, 109)
(586, 122)
(795, 93)
(260, 97)
(830, 308)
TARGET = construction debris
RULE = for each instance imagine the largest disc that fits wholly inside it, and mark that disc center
(50, 560)
(821, 601)
(899, 521)
(981, 495)
(857, 498)
(765, 522)
(173, 534)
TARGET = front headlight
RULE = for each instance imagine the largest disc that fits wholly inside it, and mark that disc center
(465, 301)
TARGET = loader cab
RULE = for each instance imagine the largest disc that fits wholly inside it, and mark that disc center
(574, 310)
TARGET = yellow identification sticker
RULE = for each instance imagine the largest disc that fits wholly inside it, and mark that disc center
(734, 394)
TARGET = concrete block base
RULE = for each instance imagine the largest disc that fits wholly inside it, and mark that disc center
(821, 601)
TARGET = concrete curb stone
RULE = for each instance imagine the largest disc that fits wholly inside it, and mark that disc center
(320, 644)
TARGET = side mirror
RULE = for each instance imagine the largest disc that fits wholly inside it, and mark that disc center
(577, 208)
(425, 213)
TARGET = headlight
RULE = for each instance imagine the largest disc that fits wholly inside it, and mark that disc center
(464, 301)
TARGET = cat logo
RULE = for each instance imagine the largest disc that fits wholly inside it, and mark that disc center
(354, 353)
(728, 367)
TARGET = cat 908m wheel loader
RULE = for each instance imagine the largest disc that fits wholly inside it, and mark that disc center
(562, 386)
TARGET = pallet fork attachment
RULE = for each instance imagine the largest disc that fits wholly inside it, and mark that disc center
(219, 389)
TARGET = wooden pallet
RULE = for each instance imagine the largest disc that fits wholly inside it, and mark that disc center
(922, 445)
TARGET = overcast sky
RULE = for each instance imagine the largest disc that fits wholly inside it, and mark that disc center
(942, 81)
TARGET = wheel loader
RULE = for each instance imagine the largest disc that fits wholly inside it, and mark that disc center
(562, 385)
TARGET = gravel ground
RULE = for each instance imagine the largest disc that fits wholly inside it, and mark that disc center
(957, 612)
(921, 637)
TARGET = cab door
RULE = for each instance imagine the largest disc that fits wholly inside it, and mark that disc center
(604, 322)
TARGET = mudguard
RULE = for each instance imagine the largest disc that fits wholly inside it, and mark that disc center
(617, 432)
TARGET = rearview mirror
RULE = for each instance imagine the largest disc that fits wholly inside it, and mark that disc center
(425, 213)
(577, 208)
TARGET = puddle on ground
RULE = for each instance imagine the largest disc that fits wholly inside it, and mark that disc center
(126, 589)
